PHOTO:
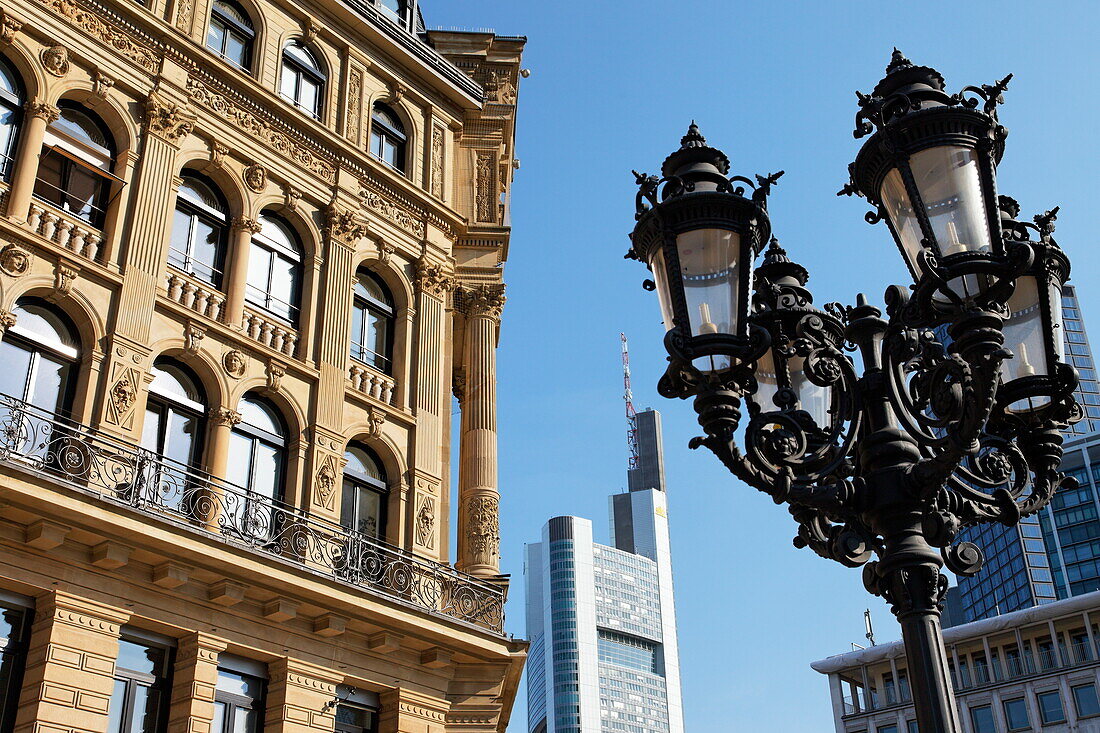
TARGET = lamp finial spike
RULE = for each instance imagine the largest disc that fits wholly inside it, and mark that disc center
(898, 62)
(693, 138)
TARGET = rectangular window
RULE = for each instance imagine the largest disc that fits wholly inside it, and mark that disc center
(981, 719)
(139, 703)
(1016, 714)
(1084, 697)
(15, 624)
(887, 729)
(911, 727)
(239, 698)
(1050, 707)
(356, 718)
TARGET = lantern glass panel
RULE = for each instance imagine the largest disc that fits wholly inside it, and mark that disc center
(950, 187)
(1028, 337)
(900, 210)
(812, 398)
(709, 261)
(664, 294)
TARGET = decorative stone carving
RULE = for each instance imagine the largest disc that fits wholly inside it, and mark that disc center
(122, 398)
(255, 177)
(235, 363)
(14, 260)
(250, 225)
(458, 384)
(310, 30)
(201, 94)
(326, 483)
(275, 373)
(480, 301)
(218, 153)
(385, 252)
(9, 26)
(102, 84)
(485, 194)
(7, 320)
(173, 122)
(483, 528)
(425, 522)
(376, 419)
(342, 225)
(224, 417)
(63, 277)
(437, 161)
(432, 278)
(499, 86)
(184, 9)
(376, 201)
(397, 91)
(291, 197)
(192, 337)
(106, 33)
(55, 60)
(45, 110)
(354, 112)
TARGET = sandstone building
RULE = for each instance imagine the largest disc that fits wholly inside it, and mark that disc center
(248, 251)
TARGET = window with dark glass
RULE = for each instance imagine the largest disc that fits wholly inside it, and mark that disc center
(140, 700)
(15, 624)
(981, 720)
(303, 79)
(199, 230)
(1016, 714)
(238, 702)
(231, 33)
(355, 718)
(12, 98)
(911, 727)
(175, 419)
(372, 322)
(387, 137)
(1050, 707)
(257, 465)
(1084, 698)
(889, 728)
(363, 507)
(74, 173)
(274, 269)
(39, 356)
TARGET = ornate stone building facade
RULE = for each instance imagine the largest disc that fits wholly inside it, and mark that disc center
(248, 251)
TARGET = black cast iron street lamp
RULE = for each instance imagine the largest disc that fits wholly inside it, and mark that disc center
(953, 417)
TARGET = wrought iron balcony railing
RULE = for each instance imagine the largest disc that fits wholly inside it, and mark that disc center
(38, 442)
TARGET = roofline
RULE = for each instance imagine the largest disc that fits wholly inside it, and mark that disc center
(983, 627)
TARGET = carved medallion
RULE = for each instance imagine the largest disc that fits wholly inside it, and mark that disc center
(55, 60)
(14, 260)
(255, 177)
(235, 363)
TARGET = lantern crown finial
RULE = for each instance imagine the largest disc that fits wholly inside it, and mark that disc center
(693, 138)
(777, 269)
(897, 61)
(695, 159)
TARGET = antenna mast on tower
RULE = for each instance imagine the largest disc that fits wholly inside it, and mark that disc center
(631, 413)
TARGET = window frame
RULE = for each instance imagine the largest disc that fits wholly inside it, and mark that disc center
(358, 482)
(973, 721)
(1076, 703)
(277, 250)
(1009, 716)
(14, 652)
(199, 211)
(230, 24)
(132, 679)
(1042, 710)
(233, 701)
(382, 131)
(28, 340)
(339, 727)
(167, 403)
(300, 70)
(77, 155)
(381, 311)
(13, 103)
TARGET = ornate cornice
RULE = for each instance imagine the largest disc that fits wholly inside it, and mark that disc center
(105, 27)
(380, 199)
(480, 300)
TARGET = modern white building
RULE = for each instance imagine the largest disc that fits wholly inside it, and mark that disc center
(600, 618)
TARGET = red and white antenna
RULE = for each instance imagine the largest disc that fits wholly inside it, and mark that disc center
(631, 413)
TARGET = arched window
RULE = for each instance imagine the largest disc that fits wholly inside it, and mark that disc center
(395, 10)
(363, 505)
(12, 98)
(258, 452)
(275, 269)
(231, 33)
(38, 357)
(372, 322)
(199, 230)
(175, 420)
(303, 80)
(74, 173)
(387, 137)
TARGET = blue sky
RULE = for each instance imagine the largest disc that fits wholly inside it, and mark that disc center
(613, 87)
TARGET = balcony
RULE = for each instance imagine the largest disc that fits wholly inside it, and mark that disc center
(65, 230)
(36, 442)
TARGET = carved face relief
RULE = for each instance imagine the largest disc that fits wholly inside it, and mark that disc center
(234, 363)
(55, 60)
(255, 177)
(14, 261)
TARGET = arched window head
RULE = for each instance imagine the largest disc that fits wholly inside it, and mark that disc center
(372, 322)
(200, 230)
(12, 98)
(78, 155)
(275, 269)
(174, 427)
(303, 79)
(387, 137)
(365, 493)
(258, 459)
(231, 34)
(39, 357)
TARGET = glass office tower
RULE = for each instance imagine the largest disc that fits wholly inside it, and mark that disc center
(600, 618)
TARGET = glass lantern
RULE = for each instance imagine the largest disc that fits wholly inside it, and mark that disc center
(812, 398)
(1034, 336)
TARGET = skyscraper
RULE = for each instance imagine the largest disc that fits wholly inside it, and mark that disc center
(1055, 554)
(600, 618)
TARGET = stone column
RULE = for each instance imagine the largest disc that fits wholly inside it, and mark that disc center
(70, 669)
(404, 711)
(478, 495)
(39, 116)
(235, 279)
(222, 422)
(299, 697)
(194, 680)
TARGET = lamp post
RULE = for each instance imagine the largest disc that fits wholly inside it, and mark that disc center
(952, 414)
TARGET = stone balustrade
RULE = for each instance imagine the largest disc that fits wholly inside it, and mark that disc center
(67, 231)
(199, 297)
(270, 333)
(374, 384)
